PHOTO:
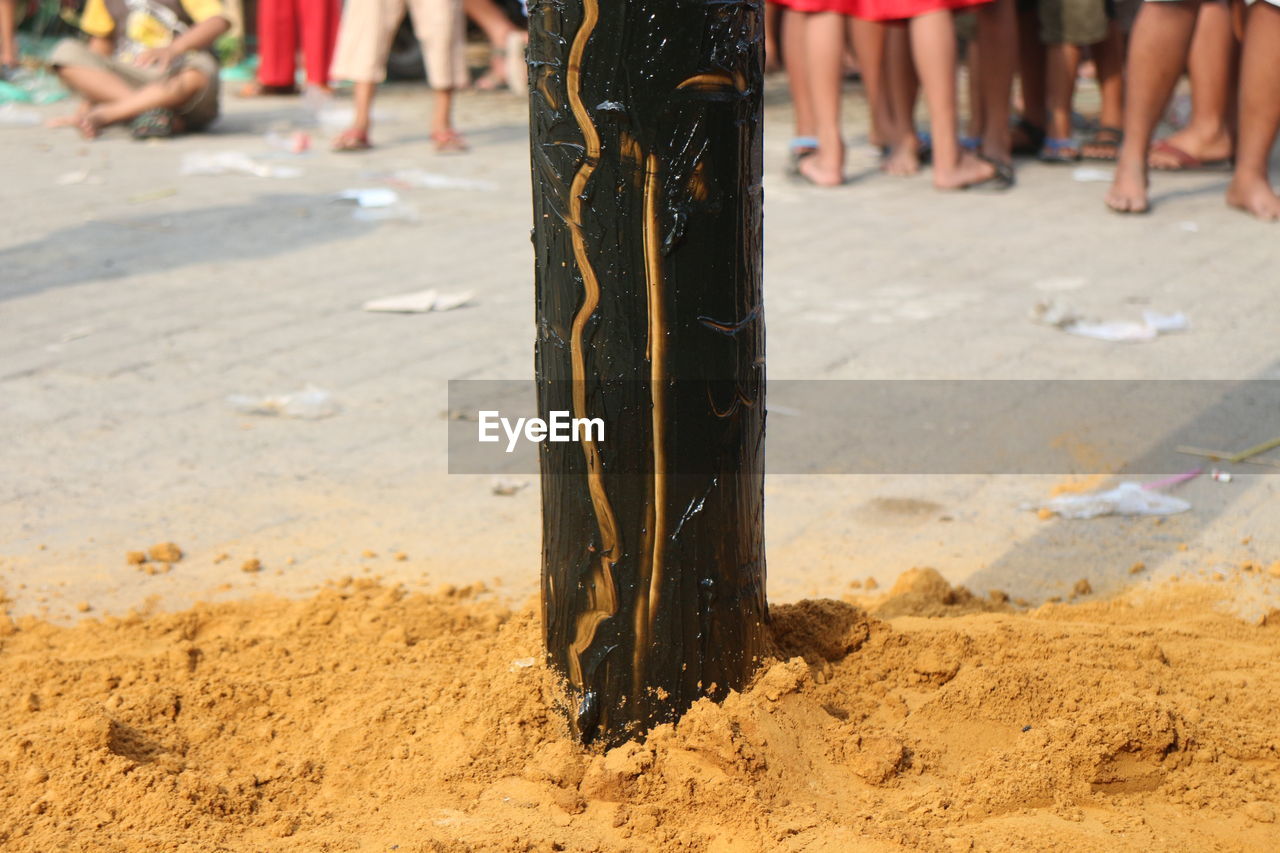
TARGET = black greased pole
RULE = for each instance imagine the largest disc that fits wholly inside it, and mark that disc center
(646, 152)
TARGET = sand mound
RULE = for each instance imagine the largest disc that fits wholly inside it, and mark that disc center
(365, 719)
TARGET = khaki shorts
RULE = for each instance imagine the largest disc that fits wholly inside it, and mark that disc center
(368, 27)
(1079, 22)
(198, 112)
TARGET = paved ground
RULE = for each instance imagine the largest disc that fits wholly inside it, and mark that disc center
(134, 300)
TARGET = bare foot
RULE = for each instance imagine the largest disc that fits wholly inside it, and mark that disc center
(1128, 192)
(970, 170)
(91, 124)
(72, 120)
(812, 171)
(1205, 147)
(1255, 197)
(903, 160)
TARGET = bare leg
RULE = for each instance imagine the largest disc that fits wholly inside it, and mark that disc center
(362, 104)
(442, 111)
(1157, 50)
(1064, 64)
(8, 26)
(868, 39)
(164, 94)
(903, 87)
(1250, 188)
(973, 59)
(1108, 56)
(772, 25)
(933, 44)
(95, 85)
(1031, 69)
(794, 28)
(825, 43)
(997, 30)
(1211, 65)
(497, 29)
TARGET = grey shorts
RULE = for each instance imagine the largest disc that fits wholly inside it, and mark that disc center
(198, 112)
(1079, 22)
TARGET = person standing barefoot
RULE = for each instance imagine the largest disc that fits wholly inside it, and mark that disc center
(364, 40)
(1157, 53)
(932, 35)
(1251, 189)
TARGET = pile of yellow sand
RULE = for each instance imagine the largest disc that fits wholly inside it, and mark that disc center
(366, 720)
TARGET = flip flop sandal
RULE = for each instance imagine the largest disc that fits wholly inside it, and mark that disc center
(153, 124)
(1033, 138)
(1189, 162)
(1107, 139)
(351, 140)
(800, 148)
(449, 142)
(1059, 151)
(1003, 180)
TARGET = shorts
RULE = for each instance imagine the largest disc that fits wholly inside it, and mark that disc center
(200, 109)
(369, 26)
(1080, 22)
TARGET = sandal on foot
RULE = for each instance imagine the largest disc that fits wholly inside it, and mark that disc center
(1032, 138)
(1003, 179)
(1188, 162)
(800, 148)
(352, 140)
(448, 141)
(153, 124)
(1059, 151)
(1105, 142)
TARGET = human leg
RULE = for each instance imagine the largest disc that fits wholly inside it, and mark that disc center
(1211, 66)
(1251, 189)
(933, 45)
(997, 32)
(824, 43)
(1157, 52)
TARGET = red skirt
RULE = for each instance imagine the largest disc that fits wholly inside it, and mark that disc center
(898, 10)
(878, 10)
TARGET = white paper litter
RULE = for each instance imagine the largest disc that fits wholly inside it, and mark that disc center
(81, 176)
(309, 404)
(1058, 314)
(1125, 499)
(12, 115)
(521, 663)
(1090, 175)
(370, 197)
(422, 179)
(507, 487)
(419, 302)
(231, 163)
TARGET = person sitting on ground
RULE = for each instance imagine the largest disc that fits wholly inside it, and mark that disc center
(364, 40)
(8, 39)
(1161, 41)
(148, 62)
